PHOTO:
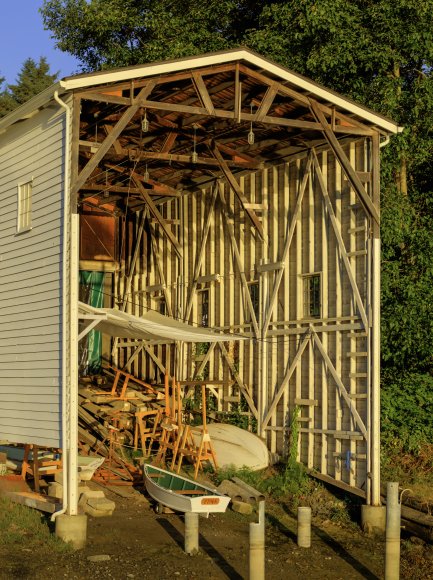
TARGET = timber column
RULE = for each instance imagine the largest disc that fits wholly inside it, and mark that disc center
(373, 515)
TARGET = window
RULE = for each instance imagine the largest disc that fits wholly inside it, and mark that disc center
(162, 307)
(254, 291)
(24, 221)
(159, 305)
(203, 308)
(312, 302)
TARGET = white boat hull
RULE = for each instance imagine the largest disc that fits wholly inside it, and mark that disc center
(208, 501)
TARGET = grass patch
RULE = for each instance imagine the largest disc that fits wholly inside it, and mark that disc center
(21, 525)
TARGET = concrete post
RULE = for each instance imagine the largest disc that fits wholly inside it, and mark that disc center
(392, 545)
(257, 546)
(72, 529)
(304, 527)
(191, 533)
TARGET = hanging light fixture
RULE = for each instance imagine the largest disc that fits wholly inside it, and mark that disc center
(194, 156)
(251, 133)
(146, 174)
(145, 122)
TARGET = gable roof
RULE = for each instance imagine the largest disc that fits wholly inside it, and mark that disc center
(264, 66)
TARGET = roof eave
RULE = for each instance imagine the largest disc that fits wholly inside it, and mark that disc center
(31, 107)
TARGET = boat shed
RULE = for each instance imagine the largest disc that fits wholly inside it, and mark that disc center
(224, 191)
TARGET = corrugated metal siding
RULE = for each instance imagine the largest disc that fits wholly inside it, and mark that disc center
(31, 282)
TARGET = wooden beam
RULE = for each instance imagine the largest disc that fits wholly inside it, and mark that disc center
(287, 243)
(267, 101)
(236, 188)
(341, 388)
(237, 378)
(200, 256)
(203, 93)
(155, 212)
(109, 140)
(238, 96)
(289, 372)
(340, 241)
(182, 158)
(350, 172)
(239, 263)
(169, 142)
(104, 98)
(160, 269)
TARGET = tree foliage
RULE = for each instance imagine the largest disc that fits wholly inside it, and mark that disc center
(32, 79)
(378, 52)
(107, 33)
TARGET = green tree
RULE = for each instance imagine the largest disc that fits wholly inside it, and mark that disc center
(378, 52)
(32, 79)
(107, 33)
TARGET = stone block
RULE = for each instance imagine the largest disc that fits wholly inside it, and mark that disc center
(242, 508)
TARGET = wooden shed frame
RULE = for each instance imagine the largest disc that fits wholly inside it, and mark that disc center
(227, 170)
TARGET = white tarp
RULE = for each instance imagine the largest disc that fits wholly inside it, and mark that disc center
(152, 326)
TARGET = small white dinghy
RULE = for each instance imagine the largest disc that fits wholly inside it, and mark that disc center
(182, 494)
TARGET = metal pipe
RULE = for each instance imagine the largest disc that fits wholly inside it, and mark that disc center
(257, 546)
(191, 533)
(65, 287)
(304, 527)
(392, 544)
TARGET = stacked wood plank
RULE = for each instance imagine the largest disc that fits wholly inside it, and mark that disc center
(119, 414)
(107, 420)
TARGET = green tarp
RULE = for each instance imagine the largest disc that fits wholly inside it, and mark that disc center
(91, 292)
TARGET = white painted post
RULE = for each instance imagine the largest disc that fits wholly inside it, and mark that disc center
(191, 533)
(392, 545)
(257, 546)
(375, 334)
(304, 527)
(73, 387)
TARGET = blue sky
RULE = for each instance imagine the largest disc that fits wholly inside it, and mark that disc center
(22, 35)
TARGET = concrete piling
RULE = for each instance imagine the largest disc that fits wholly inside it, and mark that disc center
(191, 533)
(393, 524)
(304, 527)
(257, 546)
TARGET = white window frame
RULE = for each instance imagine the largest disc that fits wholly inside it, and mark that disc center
(24, 225)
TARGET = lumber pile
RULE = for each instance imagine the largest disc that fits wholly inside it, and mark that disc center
(120, 414)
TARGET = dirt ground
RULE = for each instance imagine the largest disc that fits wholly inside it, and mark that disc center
(141, 544)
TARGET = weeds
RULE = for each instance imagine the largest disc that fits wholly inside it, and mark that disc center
(22, 525)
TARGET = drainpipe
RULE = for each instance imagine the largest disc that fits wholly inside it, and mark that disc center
(65, 287)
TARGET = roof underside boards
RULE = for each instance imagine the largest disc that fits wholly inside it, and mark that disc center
(148, 134)
(151, 327)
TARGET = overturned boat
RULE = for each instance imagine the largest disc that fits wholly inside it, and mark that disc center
(182, 494)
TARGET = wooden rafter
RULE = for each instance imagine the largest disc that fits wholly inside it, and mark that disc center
(345, 162)
(156, 213)
(267, 101)
(237, 189)
(203, 93)
(109, 140)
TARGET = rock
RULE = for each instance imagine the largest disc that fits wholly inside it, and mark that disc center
(99, 558)
(242, 508)
(101, 503)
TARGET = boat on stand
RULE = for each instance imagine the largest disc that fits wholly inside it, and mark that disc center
(182, 494)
